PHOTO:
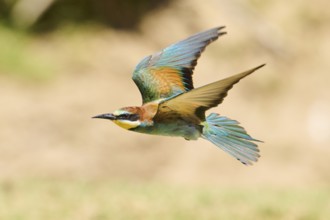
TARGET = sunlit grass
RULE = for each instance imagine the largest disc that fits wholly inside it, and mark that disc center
(47, 199)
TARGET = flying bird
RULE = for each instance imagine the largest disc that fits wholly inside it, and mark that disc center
(173, 107)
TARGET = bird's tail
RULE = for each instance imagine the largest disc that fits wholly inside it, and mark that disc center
(230, 137)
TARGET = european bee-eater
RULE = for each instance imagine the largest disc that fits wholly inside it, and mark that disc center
(173, 107)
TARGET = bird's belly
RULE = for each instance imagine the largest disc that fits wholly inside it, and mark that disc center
(188, 131)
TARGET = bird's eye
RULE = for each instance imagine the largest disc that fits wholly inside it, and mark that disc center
(124, 116)
(130, 117)
(133, 117)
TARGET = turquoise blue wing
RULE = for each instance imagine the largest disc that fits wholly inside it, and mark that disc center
(169, 72)
(230, 137)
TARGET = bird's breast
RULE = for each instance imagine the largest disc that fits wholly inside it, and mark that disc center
(178, 128)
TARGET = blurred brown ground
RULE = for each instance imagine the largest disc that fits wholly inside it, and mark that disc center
(46, 130)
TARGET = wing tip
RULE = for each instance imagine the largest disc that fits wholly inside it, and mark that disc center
(248, 72)
(258, 67)
(220, 31)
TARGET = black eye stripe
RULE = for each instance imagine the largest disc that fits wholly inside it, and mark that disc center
(130, 117)
(133, 117)
(123, 116)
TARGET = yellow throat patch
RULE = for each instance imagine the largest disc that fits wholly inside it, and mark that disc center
(127, 124)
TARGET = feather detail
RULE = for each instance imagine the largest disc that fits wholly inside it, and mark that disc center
(172, 67)
(195, 102)
(230, 137)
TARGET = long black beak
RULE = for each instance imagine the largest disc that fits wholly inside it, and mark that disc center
(108, 116)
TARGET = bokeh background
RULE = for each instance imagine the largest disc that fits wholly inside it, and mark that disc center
(62, 62)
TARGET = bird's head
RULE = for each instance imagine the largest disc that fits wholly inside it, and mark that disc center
(127, 117)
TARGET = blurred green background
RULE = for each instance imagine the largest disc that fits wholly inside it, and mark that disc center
(62, 62)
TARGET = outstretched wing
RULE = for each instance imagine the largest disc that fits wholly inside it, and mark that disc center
(193, 104)
(169, 72)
